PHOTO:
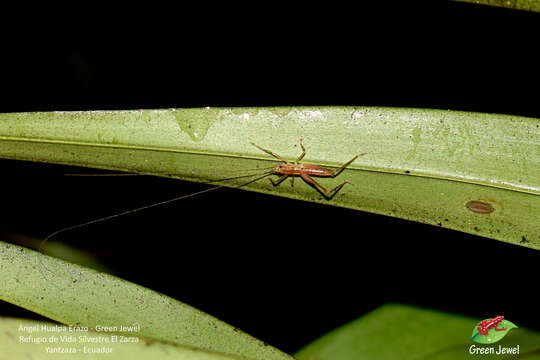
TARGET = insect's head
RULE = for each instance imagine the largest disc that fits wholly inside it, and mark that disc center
(499, 318)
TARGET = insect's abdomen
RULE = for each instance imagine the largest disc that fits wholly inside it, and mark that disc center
(316, 170)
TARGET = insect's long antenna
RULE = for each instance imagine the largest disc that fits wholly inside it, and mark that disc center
(124, 213)
(127, 212)
(262, 175)
(103, 175)
(142, 174)
(95, 221)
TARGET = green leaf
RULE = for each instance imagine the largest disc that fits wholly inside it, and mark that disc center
(25, 339)
(74, 295)
(471, 172)
(493, 336)
(527, 5)
(406, 332)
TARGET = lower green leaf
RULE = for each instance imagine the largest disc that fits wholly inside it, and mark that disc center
(406, 332)
(74, 295)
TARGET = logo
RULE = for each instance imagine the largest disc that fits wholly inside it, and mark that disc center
(490, 331)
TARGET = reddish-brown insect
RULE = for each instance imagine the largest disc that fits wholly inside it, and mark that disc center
(305, 171)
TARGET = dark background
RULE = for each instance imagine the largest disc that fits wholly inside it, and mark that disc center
(284, 271)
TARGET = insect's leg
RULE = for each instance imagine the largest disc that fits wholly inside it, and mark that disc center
(292, 180)
(303, 152)
(327, 193)
(336, 172)
(499, 329)
(337, 188)
(278, 180)
(268, 152)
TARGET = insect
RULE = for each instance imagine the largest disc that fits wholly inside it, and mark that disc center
(485, 325)
(305, 171)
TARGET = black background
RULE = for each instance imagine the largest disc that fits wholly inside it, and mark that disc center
(284, 271)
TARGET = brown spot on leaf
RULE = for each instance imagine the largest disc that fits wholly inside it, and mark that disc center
(480, 207)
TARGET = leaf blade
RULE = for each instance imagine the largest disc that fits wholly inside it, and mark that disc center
(526, 5)
(421, 165)
(397, 331)
(74, 295)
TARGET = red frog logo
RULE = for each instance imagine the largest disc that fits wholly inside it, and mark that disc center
(485, 325)
(490, 331)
